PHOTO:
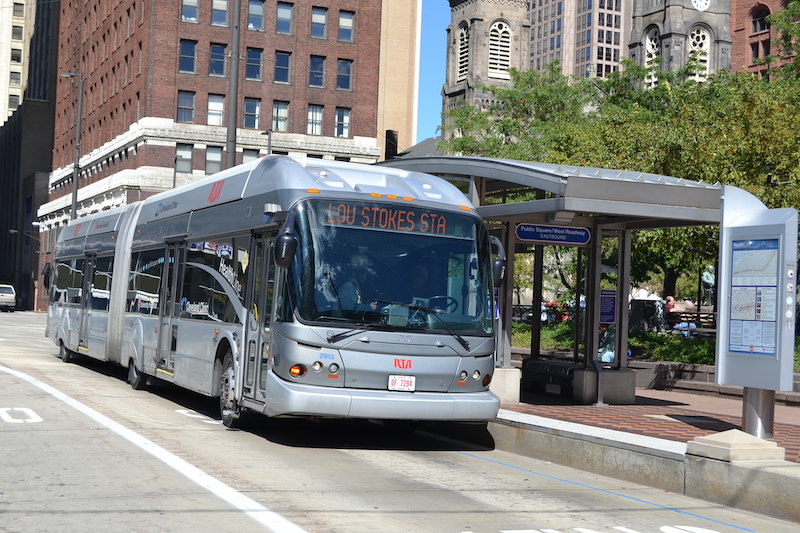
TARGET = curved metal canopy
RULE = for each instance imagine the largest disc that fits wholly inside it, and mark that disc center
(627, 199)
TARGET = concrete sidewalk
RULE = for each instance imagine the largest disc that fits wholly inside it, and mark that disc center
(647, 443)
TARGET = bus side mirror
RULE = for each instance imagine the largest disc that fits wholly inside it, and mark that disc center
(285, 246)
(499, 264)
(46, 275)
(498, 271)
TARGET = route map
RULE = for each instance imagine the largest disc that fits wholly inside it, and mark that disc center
(754, 295)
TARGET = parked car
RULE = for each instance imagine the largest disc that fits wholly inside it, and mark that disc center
(8, 298)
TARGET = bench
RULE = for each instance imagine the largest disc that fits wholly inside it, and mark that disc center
(700, 323)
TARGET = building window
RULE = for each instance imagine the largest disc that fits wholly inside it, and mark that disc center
(280, 116)
(213, 159)
(319, 20)
(249, 154)
(283, 21)
(342, 122)
(760, 20)
(16, 32)
(344, 75)
(219, 12)
(183, 157)
(16, 55)
(216, 59)
(463, 53)
(314, 125)
(189, 11)
(185, 106)
(13, 101)
(252, 69)
(252, 110)
(500, 50)
(652, 49)
(15, 79)
(316, 71)
(346, 26)
(255, 15)
(699, 47)
(186, 62)
(282, 67)
(216, 110)
(19, 10)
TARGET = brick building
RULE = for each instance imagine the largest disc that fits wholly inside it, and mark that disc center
(752, 35)
(156, 90)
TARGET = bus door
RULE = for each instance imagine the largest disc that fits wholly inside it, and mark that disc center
(174, 257)
(259, 304)
(86, 302)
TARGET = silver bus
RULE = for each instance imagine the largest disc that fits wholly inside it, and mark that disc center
(290, 287)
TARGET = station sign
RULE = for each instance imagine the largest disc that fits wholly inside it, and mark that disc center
(547, 234)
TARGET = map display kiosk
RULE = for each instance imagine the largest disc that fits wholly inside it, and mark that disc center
(757, 298)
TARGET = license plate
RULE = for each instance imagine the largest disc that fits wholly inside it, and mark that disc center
(402, 383)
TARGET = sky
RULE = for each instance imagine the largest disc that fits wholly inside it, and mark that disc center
(435, 18)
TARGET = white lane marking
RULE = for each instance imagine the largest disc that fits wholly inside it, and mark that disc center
(195, 414)
(253, 509)
(30, 416)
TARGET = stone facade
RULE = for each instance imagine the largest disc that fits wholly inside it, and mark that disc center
(752, 36)
(485, 39)
(674, 29)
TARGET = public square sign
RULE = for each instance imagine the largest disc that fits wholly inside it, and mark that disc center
(547, 234)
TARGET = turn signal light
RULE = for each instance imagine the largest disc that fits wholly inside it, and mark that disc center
(486, 380)
(297, 371)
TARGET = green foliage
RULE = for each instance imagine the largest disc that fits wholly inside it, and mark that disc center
(659, 347)
(732, 129)
(787, 45)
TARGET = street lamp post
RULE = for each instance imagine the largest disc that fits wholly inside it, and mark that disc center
(73, 214)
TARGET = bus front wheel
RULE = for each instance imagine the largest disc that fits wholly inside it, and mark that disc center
(229, 410)
(64, 353)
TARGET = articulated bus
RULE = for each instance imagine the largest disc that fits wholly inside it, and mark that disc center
(291, 287)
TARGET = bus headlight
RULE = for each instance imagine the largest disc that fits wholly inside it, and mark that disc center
(317, 366)
(334, 368)
(476, 374)
(462, 376)
(297, 371)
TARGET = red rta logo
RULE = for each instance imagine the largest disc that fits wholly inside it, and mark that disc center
(402, 363)
(216, 190)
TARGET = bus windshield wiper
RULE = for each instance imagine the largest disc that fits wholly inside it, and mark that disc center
(350, 332)
(414, 307)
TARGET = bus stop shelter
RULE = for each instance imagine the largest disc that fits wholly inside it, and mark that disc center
(609, 204)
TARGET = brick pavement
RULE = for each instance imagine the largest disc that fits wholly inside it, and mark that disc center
(653, 418)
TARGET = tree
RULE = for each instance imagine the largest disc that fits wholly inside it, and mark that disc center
(784, 25)
(733, 129)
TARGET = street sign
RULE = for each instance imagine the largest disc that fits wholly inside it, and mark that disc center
(547, 234)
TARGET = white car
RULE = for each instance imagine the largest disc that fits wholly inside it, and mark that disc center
(8, 298)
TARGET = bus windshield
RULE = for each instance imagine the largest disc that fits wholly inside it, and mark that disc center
(390, 266)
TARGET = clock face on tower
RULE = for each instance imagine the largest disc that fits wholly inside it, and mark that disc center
(701, 5)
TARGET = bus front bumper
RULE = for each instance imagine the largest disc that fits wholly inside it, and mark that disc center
(295, 399)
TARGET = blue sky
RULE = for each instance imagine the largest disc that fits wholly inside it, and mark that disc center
(435, 18)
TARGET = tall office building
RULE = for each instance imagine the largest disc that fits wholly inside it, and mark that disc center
(587, 37)
(152, 79)
(485, 39)
(16, 27)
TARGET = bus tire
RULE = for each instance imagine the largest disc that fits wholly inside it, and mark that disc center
(136, 377)
(64, 353)
(229, 410)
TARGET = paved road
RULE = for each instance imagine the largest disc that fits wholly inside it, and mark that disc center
(82, 451)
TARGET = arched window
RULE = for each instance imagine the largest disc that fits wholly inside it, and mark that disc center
(699, 48)
(499, 50)
(760, 20)
(463, 53)
(652, 49)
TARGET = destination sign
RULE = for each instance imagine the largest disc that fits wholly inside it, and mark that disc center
(389, 217)
(564, 235)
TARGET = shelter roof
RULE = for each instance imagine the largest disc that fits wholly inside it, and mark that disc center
(613, 197)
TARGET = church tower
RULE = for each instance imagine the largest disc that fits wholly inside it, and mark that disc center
(485, 39)
(674, 30)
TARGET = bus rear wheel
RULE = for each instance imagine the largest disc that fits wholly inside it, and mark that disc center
(64, 353)
(229, 410)
(136, 377)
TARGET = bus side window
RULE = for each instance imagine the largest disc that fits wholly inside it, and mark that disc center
(76, 282)
(101, 284)
(62, 281)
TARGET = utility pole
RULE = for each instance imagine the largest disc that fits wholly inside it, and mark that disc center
(73, 214)
(233, 88)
